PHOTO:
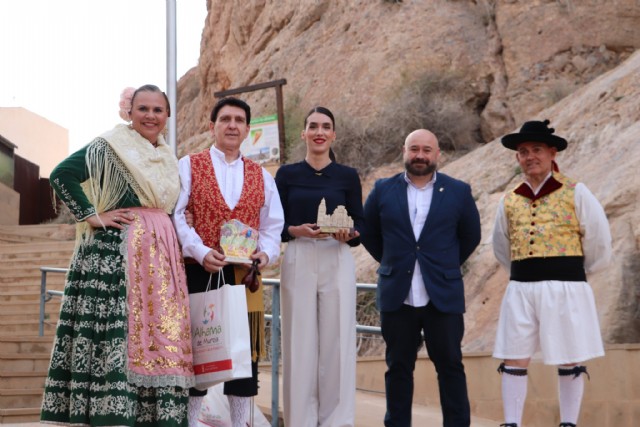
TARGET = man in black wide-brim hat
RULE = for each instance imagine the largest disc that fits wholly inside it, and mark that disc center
(550, 231)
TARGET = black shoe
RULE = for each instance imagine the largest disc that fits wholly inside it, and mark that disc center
(509, 425)
(567, 425)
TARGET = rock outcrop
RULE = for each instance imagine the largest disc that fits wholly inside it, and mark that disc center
(515, 60)
(601, 121)
(511, 58)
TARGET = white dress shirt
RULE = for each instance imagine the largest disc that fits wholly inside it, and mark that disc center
(230, 177)
(419, 204)
(594, 229)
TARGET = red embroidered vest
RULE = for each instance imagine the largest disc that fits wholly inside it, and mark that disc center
(208, 206)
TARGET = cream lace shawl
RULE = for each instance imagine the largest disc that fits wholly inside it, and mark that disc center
(151, 171)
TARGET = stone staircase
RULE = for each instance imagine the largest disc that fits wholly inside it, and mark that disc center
(24, 356)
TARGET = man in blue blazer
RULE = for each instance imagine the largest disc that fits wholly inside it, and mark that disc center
(421, 226)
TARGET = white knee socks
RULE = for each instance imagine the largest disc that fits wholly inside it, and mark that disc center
(195, 402)
(514, 393)
(239, 408)
(570, 391)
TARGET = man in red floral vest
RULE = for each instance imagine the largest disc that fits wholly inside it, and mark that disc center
(217, 185)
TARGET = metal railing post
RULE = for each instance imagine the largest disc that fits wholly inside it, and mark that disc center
(275, 355)
(46, 295)
(43, 289)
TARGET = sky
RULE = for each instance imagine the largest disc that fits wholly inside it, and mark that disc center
(69, 60)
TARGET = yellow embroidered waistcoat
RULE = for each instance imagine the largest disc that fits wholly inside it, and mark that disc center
(544, 225)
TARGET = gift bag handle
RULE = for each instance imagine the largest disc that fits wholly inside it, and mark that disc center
(220, 275)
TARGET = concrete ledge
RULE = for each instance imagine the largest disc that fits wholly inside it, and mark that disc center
(19, 415)
(611, 399)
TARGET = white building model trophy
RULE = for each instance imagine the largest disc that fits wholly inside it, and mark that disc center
(338, 220)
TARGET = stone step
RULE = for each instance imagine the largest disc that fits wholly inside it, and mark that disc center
(12, 238)
(42, 245)
(28, 327)
(49, 260)
(25, 345)
(45, 247)
(35, 361)
(20, 296)
(60, 261)
(30, 288)
(8, 270)
(8, 309)
(24, 286)
(23, 296)
(38, 232)
(21, 379)
(50, 315)
(19, 415)
(29, 267)
(12, 251)
(21, 398)
(12, 307)
(35, 257)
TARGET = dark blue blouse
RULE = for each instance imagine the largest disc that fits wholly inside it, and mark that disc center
(302, 188)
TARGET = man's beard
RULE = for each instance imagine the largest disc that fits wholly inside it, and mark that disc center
(409, 166)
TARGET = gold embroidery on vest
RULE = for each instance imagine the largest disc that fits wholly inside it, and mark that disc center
(208, 206)
(546, 227)
(210, 211)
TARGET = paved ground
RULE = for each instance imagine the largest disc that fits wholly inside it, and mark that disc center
(370, 408)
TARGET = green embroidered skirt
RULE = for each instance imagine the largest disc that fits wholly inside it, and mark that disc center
(87, 382)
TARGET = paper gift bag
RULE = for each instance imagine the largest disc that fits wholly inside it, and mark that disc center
(220, 334)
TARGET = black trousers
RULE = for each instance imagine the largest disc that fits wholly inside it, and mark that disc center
(197, 280)
(443, 333)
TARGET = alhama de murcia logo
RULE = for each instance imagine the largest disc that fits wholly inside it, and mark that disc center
(207, 314)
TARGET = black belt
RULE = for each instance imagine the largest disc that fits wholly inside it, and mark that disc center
(565, 269)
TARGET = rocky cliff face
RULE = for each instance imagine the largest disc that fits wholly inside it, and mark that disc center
(601, 121)
(514, 61)
(512, 58)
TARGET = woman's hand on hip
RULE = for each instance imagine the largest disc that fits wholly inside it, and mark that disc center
(114, 218)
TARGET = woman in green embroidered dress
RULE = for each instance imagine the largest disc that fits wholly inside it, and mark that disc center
(122, 352)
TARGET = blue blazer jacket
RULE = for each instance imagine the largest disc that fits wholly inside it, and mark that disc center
(451, 233)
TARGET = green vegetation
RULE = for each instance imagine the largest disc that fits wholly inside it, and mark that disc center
(438, 102)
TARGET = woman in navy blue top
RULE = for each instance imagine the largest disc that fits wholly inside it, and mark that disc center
(318, 283)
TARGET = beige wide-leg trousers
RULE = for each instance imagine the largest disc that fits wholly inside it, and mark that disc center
(318, 288)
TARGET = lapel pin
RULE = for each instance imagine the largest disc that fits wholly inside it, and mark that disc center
(441, 189)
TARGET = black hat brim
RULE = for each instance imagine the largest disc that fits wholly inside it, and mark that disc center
(511, 141)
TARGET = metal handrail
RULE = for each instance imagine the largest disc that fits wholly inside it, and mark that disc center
(46, 295)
